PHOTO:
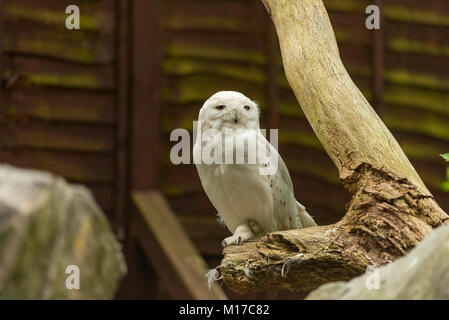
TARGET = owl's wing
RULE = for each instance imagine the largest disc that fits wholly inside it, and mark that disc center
(305, 217)
(283, 195)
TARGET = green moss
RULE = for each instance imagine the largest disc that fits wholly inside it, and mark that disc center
(394, 12)
(427, 124)
(183, 67)
(67, 81)
(283, 82)
(326, 174)
(197, 88)
(341, 35)
(300, 138)
(367, 93)
(5, 237)
(88, 23)
(406, 14)
(406, 45)
(214, 52)
(420, 151)
(359, 70)
(172, 190)
(291, 110)
(344, 37)
(421, 99)
(445, 185)
(43, 111)
(346, 5)
(431, 180)
(422, 80)
(186, 122)
(182, 22)
(12, 109)
(54, 48)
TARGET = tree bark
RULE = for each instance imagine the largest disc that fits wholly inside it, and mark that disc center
(391, 209)
(422, 274)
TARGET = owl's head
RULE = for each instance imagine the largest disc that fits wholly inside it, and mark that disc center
(230, 109)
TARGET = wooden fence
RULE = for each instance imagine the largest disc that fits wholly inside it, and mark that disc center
(97, 105)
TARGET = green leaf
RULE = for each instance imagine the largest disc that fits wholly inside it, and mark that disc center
(445, 156)
(445, 186)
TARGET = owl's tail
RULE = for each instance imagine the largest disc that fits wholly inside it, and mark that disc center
(305, 218)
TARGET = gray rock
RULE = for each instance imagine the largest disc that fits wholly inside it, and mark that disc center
(422, 274)
(47, 225)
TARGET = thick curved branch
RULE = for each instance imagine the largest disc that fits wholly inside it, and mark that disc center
(391, 209)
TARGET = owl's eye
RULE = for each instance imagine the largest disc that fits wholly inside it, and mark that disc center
(220, 107)
(246, 107)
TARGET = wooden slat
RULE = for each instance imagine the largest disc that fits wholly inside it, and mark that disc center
(430, 12)
(206, 234)
(211, 46)
(346, 5)
(417, 146)
(38, 28)
(314, 193)
(60, 105)
(57, 136)
(378, 62)
(198, 88)
(348, 27)
(83, 168)
(182, 67)
(145, 94)
(195, 204)
(272, 75)
(122, 116)
(144, 156)
(417, 39)
(217, 16)
(58, 44)
(416, 98)
(30, 71)
(178, 251)
(95, 8)
(417, 71)
(1, 58)
(412, 120)
(104, 194)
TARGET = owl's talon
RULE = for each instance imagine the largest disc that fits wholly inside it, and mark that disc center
(241, 234)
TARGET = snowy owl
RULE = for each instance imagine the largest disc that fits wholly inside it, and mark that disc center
(248, 201)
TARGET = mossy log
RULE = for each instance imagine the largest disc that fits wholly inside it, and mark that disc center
(391, 209)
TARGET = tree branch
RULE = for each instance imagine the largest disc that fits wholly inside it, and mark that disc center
(391, 209)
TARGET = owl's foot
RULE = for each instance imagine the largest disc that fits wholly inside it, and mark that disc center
(255, 227)
(241, 234)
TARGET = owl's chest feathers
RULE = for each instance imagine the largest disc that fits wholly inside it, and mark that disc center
(239, 194)
(226, 177)
(233, 168)
(232, 147)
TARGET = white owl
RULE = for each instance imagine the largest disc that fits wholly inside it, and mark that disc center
(247, 201)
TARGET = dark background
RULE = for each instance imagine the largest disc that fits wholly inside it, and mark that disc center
(97, 105)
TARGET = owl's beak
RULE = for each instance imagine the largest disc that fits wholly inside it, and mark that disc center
(236, 118)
